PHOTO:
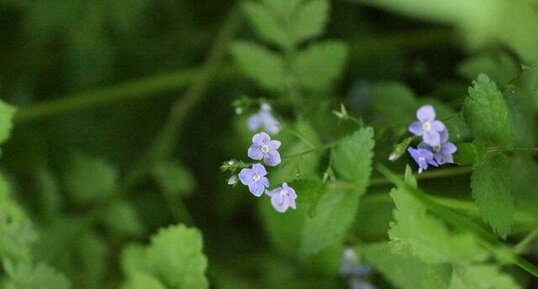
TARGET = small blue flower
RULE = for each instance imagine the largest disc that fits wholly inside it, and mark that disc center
(283, 198)
(427, 127)
(255, 179)
(422, 157)
(264, 148)
(443, 152)
(265, 120)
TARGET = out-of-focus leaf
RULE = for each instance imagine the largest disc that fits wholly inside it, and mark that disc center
(24, 275)
(173, 178)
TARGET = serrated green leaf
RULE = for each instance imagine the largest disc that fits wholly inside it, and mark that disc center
(24, 275)
(173, 178)
(89, 179)
(266, 24)
(142, 281)
(405, 270)
(352, 157)
(121, 218)
(487, 115)
(318, 66)
(466, 154)
(175, 257)
(490, 183)
(334, 214)
(309, 21)
(483, 276)
(260, 64)
(6, 115)
(416, 232)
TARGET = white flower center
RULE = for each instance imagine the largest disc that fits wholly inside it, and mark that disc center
(256, 177)
(426, 126)
(265, 149)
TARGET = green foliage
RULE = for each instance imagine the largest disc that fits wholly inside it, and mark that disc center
(143, 281)
(308, 21)
(25, 275)
(492, 191)
(337, 207)
(319, 65)
(173, 178)
(334, 214)
(394, 103)
(121, 217)
(261, 64)
(416, 232)
(6, 114)
(487, 114)
(482, 277)
(16, 230)
(89, 179)
(352, 157)
(174, 258)
(405, 270)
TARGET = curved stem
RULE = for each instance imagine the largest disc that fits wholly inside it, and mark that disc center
(495, 150)
(431, 174)
(323, 147)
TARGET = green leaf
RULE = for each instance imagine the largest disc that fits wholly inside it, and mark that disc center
(426, 237)
(483, 276)
(490, 183)
(318, 66)
(24, 275)
(466, 154)
(143, 281)
(309, 21)
(500, 66)
(266, 24)
(487, 115)
(334, 214)
(352, 157)
(89, 179)
(16, 230)
(175, 257)
(121, 218)
(405, 270)
(6, 124)
(173, 178)
(260, 64)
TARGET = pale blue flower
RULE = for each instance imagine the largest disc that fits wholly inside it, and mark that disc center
(282, 198)
(422, 157)
(264, 120)
(427, 127)
(255, 179)
(264, 148)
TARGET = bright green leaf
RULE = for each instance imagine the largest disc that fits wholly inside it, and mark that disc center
(334, 214)
(319, 65)
(405, 270)
(487, 115)
(481, 277)
(352, 157)
(490, 183)
(27, 276)
(259, 63)
(143, 281)
(426, 237)
(175, 257)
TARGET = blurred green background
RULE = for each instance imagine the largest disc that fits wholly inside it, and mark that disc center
(133, 101)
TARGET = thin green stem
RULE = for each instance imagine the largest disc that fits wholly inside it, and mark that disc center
(319, 148)
(495, 150)
(432, 174)
(520, 247)
(301, 137)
